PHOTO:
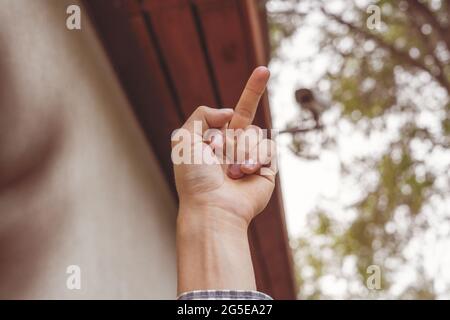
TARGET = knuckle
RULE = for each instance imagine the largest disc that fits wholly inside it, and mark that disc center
(202, 109)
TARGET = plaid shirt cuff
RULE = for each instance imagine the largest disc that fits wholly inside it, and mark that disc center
(223, 295)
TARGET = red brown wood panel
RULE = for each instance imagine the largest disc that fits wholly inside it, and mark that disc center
(275, 249)
(177, 34)
(130, 49)
(222, 29)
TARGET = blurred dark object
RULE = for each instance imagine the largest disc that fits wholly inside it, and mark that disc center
(307, 100)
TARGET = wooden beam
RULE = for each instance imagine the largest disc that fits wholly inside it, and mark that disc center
(177, 35)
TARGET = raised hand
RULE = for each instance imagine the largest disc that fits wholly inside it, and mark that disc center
(240, 188)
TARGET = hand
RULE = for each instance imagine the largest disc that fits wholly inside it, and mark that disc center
(218, 201)
(237, 189)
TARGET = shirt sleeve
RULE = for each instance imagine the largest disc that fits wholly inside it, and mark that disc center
(223, 295)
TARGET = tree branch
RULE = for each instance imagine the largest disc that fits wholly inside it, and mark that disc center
(431, 48)
(299, 130)
(423, 10)
(448, 7)
(401, 55)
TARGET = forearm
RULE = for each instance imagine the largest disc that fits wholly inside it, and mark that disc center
(213, 251)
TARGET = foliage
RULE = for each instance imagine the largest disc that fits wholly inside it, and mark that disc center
(400, 71)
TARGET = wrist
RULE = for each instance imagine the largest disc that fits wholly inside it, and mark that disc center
(213, 250)
(199, 218)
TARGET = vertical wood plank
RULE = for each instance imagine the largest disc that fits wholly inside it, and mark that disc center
(177, 35)
(225, 41)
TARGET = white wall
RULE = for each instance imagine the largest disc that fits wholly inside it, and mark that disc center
(78, 183)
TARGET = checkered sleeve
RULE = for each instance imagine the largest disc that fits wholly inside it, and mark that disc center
(223, 295)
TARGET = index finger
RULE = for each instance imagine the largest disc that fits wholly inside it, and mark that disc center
(248, 103)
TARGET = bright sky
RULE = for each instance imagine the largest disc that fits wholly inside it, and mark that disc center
(307, 183)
